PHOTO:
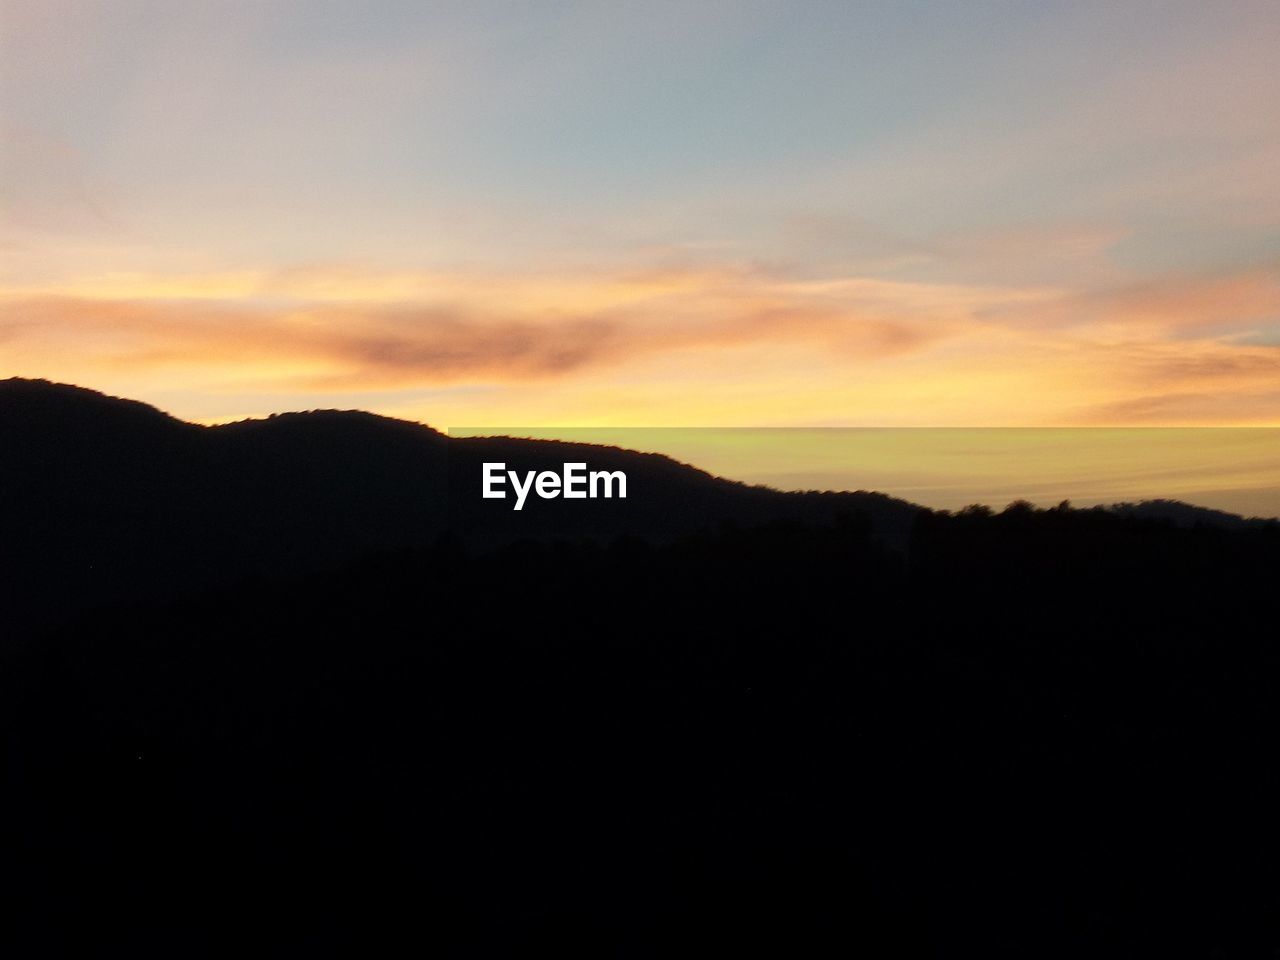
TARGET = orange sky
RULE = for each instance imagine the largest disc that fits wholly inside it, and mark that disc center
(725, 345)
(707, 214)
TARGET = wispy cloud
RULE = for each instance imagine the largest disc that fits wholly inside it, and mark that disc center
(357, 328)
(943, 352)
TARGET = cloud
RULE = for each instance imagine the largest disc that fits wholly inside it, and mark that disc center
(840, 349)
(474, 328)
(1218, 302)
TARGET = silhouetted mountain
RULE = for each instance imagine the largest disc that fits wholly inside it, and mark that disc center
(109, 500)
(1042, 733)
(1186, 514)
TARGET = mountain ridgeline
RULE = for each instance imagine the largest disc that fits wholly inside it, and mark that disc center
(278, 683)
(107, 500)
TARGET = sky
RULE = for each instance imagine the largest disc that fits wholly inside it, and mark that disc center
(648, 213)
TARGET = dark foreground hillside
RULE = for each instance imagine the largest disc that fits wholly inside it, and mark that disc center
(288, 687)
(105, 500)
(1043, 734)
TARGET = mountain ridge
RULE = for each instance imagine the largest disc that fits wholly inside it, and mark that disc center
(27, 389)
(109, 499)
(255, 686)
(112, 500)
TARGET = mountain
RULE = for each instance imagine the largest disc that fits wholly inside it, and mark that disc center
(107, 500)
(1187, 515)
(111, 500)
(294, 685)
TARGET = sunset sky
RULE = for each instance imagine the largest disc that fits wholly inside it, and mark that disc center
(659, 214)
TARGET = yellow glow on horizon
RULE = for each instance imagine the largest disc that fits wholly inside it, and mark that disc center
(1236, 469)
